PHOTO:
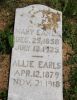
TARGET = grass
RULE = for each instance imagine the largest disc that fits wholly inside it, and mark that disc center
(6, 42)
(69, 9)
(3, 95)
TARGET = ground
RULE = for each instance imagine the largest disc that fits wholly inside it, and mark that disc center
(69, 10)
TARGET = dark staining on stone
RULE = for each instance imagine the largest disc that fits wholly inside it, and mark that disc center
(55, 19)
(51, 18)
(33, 7)
(21, 15)
(33, 15)
(29, 11)
(31, 21)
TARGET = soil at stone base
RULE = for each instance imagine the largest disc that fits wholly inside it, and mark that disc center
(4, 71)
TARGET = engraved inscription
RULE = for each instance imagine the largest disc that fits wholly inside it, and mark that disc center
(36, 65)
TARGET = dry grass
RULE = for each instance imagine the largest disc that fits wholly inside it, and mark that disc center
(4, 71)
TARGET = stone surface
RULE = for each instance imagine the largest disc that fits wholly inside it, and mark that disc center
(36, 64)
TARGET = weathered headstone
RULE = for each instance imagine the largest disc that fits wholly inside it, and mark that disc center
(36, 65)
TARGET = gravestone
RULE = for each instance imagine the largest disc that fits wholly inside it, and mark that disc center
(36, 65)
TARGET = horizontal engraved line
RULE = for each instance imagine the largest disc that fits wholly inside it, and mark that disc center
(37, 56)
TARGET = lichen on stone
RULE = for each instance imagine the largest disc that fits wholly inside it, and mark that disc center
(49, 19)
(52, 20)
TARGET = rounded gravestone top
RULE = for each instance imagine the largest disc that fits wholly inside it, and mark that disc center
(39, 16)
